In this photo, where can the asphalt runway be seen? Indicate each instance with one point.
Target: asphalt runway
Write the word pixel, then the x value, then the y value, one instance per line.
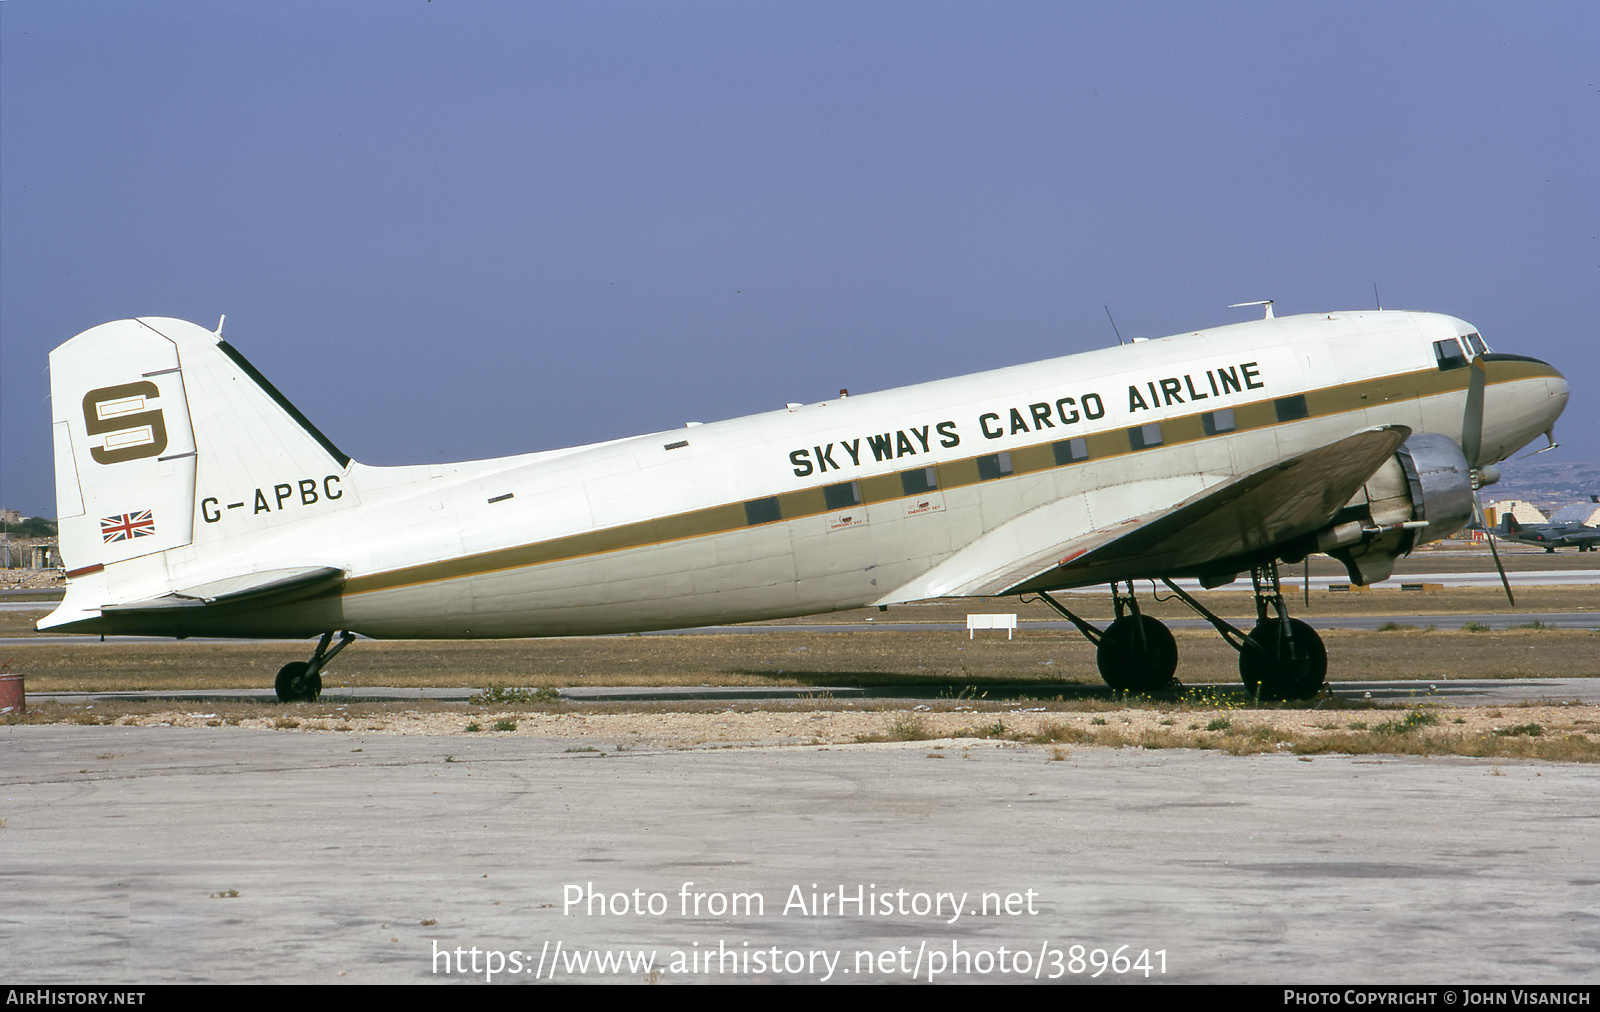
pixel 141 855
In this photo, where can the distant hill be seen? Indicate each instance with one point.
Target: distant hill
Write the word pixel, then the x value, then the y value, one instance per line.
pixel 1547 486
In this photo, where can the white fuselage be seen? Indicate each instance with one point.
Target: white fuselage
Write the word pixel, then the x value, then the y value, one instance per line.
pixel 734 520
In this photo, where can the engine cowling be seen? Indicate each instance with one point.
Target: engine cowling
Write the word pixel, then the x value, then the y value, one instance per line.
pixel 1422 493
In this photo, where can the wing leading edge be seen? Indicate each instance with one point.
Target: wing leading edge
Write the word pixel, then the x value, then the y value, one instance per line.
pixel 1236 518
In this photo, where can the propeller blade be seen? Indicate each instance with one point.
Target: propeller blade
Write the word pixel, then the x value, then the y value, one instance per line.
pixel 1472 418
pixel 1471 446
pixel 1477 514
pixel 1502 570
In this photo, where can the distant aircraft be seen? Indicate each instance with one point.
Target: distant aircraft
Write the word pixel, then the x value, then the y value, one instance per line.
pixel 1548 536
pixel 195 500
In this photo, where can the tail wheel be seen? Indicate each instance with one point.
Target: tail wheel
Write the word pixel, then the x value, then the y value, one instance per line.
pixel 1137 654
pixel 1278 665
pixel 297 683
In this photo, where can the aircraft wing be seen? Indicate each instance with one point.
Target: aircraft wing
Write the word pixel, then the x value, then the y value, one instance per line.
pixel 1289 498
pixel 274 586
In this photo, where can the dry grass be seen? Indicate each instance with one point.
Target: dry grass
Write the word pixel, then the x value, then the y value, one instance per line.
pixel 1399 736
pixel 1551 732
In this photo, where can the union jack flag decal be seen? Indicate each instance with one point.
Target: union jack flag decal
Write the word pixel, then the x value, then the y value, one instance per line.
pixel 127 525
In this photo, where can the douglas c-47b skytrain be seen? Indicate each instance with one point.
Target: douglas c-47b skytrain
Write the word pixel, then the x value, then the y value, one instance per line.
pixel 195 500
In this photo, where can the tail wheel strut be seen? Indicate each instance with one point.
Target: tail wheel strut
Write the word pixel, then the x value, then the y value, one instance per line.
pixel 301 681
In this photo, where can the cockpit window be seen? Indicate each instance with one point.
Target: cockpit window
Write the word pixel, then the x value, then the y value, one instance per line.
pixel 1476 344
pixel 1448 352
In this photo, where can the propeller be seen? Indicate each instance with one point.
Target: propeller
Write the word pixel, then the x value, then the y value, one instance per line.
pixel 1471 446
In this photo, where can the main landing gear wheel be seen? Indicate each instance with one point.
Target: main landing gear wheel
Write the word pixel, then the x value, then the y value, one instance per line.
pixel 1276 666
pixel 297 683
pixel 1137 654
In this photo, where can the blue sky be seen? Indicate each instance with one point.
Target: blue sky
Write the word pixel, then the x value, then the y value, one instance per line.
pixel 452 230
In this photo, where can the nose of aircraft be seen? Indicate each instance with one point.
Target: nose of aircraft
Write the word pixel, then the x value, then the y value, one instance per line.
pixel 1556 385
pixel 1525 398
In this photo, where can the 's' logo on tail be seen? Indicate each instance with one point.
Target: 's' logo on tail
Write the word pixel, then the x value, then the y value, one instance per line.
pixel 119 414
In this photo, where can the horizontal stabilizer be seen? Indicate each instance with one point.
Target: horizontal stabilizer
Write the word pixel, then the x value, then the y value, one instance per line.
pixel 274 586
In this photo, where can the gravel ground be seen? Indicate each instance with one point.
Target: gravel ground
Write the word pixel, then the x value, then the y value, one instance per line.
pixel 743 727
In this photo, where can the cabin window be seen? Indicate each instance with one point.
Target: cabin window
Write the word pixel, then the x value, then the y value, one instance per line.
pixel 762 511
pixel 1476 344
pixel 842 496
pixel 1291 408
pixel 1217 421
pixel 923 479
pixel 1070 451
pixel 1448 352
pixel 1142 437
pixel 994 465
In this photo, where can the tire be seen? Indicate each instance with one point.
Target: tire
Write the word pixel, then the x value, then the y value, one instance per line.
pixel 1137 654
pixel 295 685
pixel 1269 673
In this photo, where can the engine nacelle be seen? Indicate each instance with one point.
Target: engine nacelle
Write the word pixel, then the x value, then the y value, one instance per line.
pixel 1420 494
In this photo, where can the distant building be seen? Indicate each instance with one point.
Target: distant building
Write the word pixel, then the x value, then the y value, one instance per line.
pixel 1586 513
pixel 29 553
pixel 1525 512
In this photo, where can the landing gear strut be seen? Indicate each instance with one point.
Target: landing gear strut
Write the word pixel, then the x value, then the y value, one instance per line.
pixel 1135 653
pixel 301 681
pixel 1288 660
pixel 1282 657
pixel 1285 660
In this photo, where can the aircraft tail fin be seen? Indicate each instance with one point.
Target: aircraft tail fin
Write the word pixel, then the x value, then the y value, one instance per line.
pixel 1508 524
pixel 166 437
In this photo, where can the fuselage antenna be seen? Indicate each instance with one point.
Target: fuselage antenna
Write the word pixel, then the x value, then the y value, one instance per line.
pixel 1114 329
pixel 1258 302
